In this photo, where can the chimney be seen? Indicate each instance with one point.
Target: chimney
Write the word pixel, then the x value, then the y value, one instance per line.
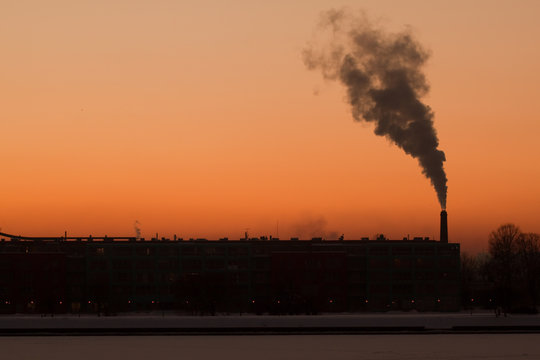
pixel 444 227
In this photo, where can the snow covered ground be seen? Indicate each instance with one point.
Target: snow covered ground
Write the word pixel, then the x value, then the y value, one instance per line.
pixel 390 346
pixel 279 347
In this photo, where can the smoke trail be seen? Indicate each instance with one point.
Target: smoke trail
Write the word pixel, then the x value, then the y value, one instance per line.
pixel 313 226
pixel 382 73
pixel 137 230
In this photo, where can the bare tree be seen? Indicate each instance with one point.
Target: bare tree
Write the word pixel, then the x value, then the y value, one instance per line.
pixel 503 241
pixel 515 267
pixel 528 254
pixel 503 244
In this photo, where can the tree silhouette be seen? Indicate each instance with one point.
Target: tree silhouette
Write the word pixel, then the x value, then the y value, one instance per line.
pixel 528 255
pixel 515 267
pixel 503 250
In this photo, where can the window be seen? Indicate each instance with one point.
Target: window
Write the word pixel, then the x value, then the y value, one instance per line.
pixel 401 263
pixel 402 250
pixel 215 264
pixel 191 264
pixel 379 263
pixel 189 250
pixel 378 250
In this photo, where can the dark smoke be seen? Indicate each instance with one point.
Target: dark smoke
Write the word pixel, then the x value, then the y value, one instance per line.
pixel 383 76
pixel 313 226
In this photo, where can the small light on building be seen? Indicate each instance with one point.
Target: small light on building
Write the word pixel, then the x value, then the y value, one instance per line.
pixel 472 299
pixel 412 301
pixel 366 301
pixel 331 301
pixel 439 300
pixel 253 301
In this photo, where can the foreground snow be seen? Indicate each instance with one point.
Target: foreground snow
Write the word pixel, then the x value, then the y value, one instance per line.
pixel 314 347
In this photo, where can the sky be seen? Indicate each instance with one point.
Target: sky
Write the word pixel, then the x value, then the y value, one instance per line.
pixel 200 119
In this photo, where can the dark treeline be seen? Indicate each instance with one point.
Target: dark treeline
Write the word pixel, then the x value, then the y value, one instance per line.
pixel 507 278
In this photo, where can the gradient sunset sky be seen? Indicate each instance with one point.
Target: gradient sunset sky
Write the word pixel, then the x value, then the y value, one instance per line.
pixel 199 118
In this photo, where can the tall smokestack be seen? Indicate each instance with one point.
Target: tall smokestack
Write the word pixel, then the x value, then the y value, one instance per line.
pixel 444 227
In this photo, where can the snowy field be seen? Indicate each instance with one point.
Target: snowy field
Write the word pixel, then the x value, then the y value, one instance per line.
pixel 312 347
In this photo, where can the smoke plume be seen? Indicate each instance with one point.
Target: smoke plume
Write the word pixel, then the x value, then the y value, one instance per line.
pixel 313 226
pixel 137 230
pixel 382 73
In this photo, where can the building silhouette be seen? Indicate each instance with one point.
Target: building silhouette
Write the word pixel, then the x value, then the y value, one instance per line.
pixel 258 275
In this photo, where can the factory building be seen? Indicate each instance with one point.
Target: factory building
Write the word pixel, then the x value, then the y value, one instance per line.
pixel 257 275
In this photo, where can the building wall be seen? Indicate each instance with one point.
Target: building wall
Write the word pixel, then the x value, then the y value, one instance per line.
pixel 259 276
pixel 32 282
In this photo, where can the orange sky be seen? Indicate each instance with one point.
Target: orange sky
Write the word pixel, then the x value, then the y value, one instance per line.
pixel 199 118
